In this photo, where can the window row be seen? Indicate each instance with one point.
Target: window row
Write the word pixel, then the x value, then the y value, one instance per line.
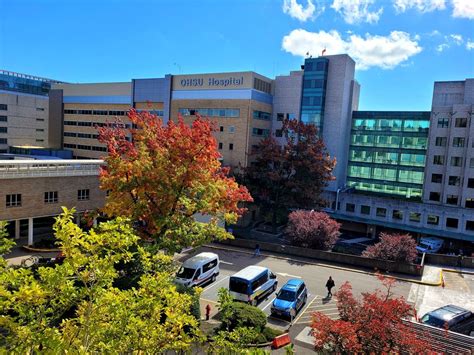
pixel 15 200
pixel 98 124
pixel 450 199
pixel 3 130
pixel 314 66
pixel 262 85
pixel 85 147
pixel 386 174
pixel 382 212
pixel 283 116
pixel 460 122
pixel 455 161
pixel 388 141
pixel 221 146
pixel 313 84
pixel 370 156
pixel 260 132
pixel 3 118
pixel 3 141
pixel 452 180
pixel 458 142
pixel 210 112
pixel 231 129
pixel 81 135
pixel 96 112
pixel 262 115
pixel 311 101
pixel 390 125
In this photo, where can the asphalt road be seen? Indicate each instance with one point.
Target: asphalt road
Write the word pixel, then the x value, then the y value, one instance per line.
pixel 315 277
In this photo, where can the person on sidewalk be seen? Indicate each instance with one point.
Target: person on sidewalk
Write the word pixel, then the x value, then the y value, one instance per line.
pixel 257 250
pixel 329 285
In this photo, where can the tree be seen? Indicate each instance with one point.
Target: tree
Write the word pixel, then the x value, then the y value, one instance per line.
pixel 74 307
pixel 373 324
pixel 291 175
pixel 393 247
pixel 312 229
pixel 164 175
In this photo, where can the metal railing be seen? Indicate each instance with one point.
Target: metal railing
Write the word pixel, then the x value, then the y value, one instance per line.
pixel 13 169
pixel 27 76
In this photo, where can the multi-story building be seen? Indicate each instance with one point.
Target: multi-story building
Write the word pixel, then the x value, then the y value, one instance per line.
pixel 24 112
pixel 396 170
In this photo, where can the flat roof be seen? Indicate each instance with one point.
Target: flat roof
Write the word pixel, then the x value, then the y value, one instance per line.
pixel 250 272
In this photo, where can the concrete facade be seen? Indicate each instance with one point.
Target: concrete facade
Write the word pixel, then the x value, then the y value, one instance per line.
pixel 24 120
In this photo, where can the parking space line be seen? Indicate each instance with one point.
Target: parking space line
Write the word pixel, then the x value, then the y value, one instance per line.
pixel 269 303
pixel 225 262
pixel 304 310
pixel 214 284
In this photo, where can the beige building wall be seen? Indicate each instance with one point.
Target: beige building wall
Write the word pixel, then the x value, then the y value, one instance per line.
pixel 32 195
pixel 25 119
pixel 233 134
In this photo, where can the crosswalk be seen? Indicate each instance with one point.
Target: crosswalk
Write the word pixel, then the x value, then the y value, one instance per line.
pixel 321 304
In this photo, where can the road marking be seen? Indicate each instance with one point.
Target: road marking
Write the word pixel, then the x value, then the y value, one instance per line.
pixel 324 309
pixel 288 275
pixel 225 262
pixel 304 310
pixel 215 283
pixel 269 303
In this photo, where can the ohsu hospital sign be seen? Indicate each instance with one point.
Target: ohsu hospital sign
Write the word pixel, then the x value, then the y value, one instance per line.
pixel 212 81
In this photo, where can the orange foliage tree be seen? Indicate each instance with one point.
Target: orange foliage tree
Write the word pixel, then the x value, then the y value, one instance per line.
pixel 162 175
pixel 371 325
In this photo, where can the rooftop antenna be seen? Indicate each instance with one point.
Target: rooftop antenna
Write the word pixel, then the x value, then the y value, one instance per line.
pixel 324 51
pixel 309 55
pixel 179 67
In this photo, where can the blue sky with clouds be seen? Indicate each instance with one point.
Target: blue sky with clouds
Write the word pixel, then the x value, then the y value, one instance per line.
pixel 401 46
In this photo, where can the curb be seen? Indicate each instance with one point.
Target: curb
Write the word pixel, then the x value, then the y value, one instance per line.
pixel 331 266
pixel 39 250
pixel 458 271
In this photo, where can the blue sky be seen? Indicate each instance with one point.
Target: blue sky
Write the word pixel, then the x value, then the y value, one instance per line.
pixel 401 46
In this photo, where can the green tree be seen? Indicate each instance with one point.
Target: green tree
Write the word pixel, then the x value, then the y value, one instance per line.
pixel 74 307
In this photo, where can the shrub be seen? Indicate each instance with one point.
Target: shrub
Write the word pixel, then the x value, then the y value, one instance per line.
pixel 244 315
pixel 393 247
pixel 312 229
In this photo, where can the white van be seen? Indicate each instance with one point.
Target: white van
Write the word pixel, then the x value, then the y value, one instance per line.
pixel 429 245
pixel 198 270
pixel 252 284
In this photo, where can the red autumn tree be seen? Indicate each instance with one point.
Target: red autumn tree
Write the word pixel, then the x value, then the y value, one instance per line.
pixel 312 229
pixel 372 325
pixel 289 175
pixel 394 247
pixel 162 175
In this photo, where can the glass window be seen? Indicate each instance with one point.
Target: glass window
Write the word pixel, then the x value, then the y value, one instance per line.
pixel 231 146
pixel 454 181
pixel 458 142
pixel 278 133
pixel 435 196
pixel 3 118
pixel 440 141
pixel 452 199
pixel 83 194
pixel 13 200
pixel 415 217
pixel 221 129
pixel 3 107
pixel 461 122
pixel 220 145
pixel 350 207
pixel 260 132
pixel 437 178
pixel 260 115
pixel 397 214
pixel 470 183
pixel 365 209
pixel 469 203
pixel 438 160
pixel 432 219
pixel 451 222
pixel 412 159
pixel 470 225
pixel 471 163
pixel 381 212
pixel 281 116
pixel 3 130
pixel 231 129
pixel 443 123
pixel 456 161
pixel 51 197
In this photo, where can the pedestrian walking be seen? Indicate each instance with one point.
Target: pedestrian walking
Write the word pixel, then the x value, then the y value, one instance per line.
pixel 208 311
pixel 329 285
pixel 257 250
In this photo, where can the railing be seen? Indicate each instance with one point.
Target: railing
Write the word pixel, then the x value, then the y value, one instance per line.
pixel 12 169
pixel 27 76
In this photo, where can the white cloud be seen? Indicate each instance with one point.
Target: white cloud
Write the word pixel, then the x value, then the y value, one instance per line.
pixel 442 47
pixel 356 11
pixel 469 45
pixel 420 5
pixel 457 39
pixel 463 8
pixel 385 52
pixel 295 10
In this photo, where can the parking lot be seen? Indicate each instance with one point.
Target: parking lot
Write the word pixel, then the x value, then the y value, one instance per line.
pixel 314 276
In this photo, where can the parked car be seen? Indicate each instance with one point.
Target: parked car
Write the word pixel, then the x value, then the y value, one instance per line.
pixel 199 269
pixel 430 245
pixel 451 317
pixel 290 299
pixel 252 284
